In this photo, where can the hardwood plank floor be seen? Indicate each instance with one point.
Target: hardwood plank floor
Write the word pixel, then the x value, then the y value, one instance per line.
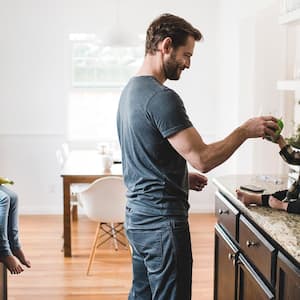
pixel 57 278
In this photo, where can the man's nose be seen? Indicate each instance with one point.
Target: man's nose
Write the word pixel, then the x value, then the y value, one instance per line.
pixel 187 63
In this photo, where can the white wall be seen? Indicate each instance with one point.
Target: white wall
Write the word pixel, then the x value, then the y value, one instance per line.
pixel 252 62
pixel 32 96
pixel 35 76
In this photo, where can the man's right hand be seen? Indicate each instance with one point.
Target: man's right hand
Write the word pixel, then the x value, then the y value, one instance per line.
pixel 260 127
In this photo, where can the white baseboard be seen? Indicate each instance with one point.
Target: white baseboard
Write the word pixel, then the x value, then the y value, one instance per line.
pixel 41 210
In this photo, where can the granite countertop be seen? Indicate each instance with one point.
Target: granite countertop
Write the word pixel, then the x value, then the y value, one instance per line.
pixel 282 227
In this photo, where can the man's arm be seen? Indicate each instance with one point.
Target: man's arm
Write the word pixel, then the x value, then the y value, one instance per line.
pixel 204 157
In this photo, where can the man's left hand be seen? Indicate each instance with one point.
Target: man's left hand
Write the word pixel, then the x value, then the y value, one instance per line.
pixel 197 181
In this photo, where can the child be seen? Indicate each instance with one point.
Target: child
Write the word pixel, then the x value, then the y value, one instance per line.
pixel 11 254
pixel 287 200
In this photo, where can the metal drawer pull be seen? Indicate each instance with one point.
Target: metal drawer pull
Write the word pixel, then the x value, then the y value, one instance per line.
pixel 232 257
pixel 250 244
pixel 221 212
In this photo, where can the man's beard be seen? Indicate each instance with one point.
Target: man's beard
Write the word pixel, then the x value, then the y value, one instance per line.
pixel 171 68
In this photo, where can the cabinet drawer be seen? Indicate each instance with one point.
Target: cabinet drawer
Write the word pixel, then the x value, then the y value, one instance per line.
pixel 258 249
pixel 227 215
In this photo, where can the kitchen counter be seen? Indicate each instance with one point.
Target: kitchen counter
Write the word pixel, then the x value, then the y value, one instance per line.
pixel 282 227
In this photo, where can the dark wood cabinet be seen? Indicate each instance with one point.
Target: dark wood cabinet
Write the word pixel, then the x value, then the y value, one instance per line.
pixel 227 215
pixel 258 250
pixel 249 284
pixel 3 282
pixel 288 279
pixel 225 266
pixel 249 264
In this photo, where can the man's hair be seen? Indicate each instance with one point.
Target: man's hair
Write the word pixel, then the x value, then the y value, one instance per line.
pixel 168 25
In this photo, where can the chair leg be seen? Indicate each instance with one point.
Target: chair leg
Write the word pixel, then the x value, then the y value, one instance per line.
pixel 93 250
pixel 114 236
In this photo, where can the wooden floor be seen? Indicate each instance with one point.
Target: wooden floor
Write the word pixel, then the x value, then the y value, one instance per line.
pixel 57 278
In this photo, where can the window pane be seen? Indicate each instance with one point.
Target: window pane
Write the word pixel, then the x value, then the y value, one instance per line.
pixel 92 115
pixel 98 75
pixel 94 65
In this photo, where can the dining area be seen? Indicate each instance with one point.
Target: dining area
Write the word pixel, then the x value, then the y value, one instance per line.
pixel 85 243
pixel 78 254
pixel 82 167
pixel 77 265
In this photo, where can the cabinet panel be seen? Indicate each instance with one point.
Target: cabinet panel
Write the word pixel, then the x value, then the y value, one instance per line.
pixel 257 249
pixel 250 286
pixel 225 266
pixel 288 279
pixel 227 215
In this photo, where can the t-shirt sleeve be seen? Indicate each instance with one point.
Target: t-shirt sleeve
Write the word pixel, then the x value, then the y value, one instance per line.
pixel 167 112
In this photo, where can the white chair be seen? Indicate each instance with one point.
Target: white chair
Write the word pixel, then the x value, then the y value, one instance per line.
pixel 104 202
pixel 65 150
pixel 60 158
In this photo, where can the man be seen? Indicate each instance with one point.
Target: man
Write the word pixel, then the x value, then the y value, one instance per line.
pixel 157 138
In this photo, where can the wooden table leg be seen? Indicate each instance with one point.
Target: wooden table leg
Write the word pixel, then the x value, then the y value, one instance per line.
pixel 74 212
pixel 67 220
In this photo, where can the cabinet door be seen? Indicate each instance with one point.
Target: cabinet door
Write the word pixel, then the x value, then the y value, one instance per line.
pixel 227 215
pixel 3 282
pixel 288 279
pixel 250 285
pixel 258 250
pixel 225 267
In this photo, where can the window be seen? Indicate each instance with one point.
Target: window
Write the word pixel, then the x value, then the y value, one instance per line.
pixel 92 114
pixel 99 73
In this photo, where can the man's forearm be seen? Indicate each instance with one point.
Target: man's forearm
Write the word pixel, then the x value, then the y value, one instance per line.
pixel 216 153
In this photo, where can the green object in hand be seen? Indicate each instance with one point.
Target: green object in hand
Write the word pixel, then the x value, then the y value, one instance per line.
pixel 4 180
pixel 277 132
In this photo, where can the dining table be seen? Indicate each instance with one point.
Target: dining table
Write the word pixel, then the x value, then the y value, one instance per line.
pixel 81 166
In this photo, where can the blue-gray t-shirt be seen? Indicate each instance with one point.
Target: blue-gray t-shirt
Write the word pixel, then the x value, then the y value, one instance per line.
pixel 155 174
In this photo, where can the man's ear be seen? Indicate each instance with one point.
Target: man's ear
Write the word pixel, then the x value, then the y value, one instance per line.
pixel 166 45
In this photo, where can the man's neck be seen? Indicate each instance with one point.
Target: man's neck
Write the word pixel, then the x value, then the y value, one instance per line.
pixel 152 66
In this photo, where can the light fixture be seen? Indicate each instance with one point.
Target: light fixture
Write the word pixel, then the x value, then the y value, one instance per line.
pixel 116 36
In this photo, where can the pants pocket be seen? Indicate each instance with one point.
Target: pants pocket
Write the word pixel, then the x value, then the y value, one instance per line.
pixel 148 246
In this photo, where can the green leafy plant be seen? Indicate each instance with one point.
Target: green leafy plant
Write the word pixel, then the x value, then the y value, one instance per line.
pixel 4 180
pixel 294 140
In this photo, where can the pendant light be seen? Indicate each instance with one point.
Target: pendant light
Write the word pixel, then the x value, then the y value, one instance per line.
pixel 116 36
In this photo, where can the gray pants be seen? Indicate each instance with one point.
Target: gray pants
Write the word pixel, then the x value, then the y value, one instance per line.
pixel 161 257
